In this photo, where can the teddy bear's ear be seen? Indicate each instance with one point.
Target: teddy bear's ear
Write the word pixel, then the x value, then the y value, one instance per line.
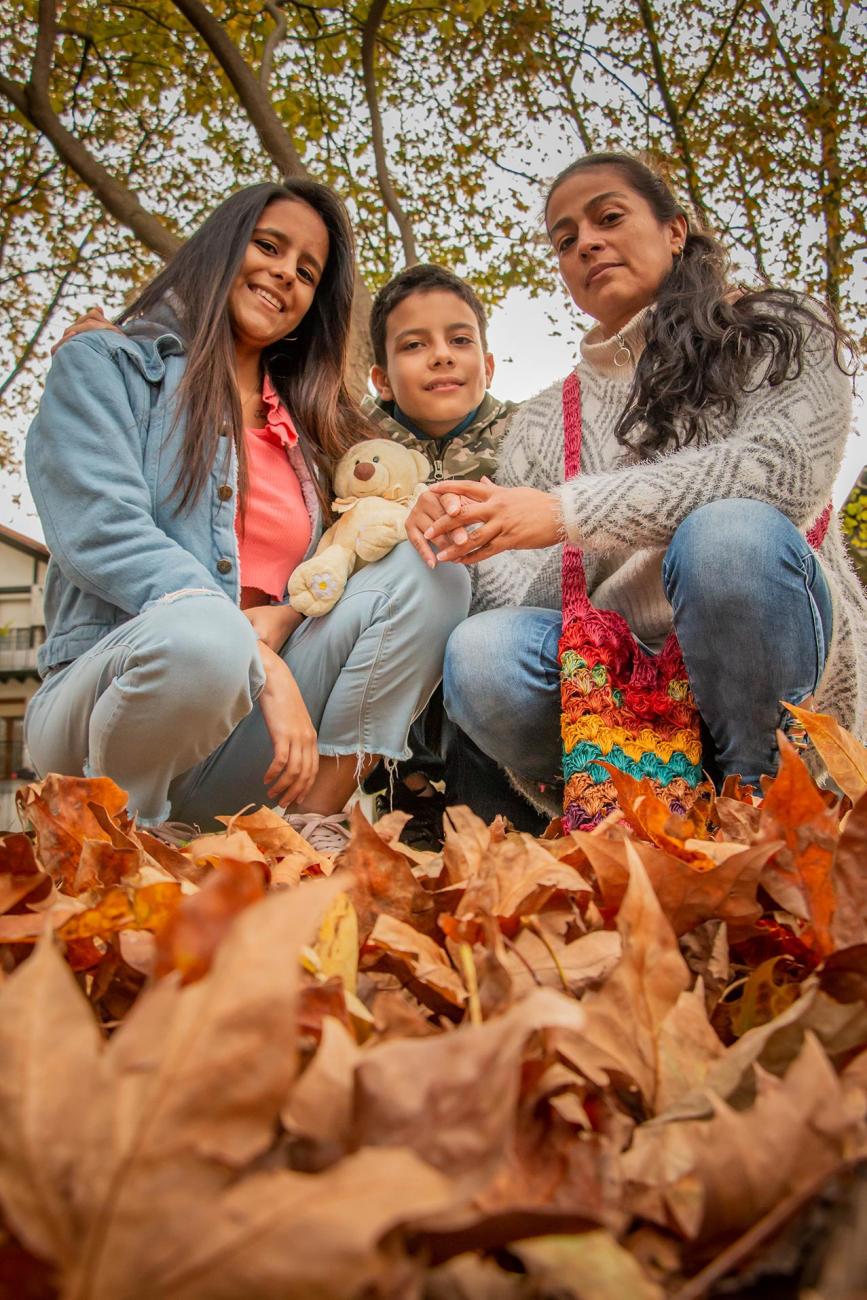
pixel 422 464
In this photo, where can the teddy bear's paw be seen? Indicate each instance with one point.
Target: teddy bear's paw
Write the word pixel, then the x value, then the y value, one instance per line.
pixel 377 542
pixel 317 593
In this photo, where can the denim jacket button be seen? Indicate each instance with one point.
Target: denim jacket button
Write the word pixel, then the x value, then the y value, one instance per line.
pixel 224 566
pixel 224 492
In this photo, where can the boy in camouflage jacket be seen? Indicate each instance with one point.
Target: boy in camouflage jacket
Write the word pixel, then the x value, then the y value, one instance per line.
pixel 431 371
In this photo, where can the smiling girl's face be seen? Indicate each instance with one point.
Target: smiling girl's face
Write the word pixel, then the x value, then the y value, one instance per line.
pixel 277 281
pixel 612 251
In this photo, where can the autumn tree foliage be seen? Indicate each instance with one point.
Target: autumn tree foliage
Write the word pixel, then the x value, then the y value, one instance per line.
pixel 630 1062
pixel 123 124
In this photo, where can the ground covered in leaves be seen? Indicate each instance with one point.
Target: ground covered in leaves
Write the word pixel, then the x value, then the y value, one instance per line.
pixel 620 1065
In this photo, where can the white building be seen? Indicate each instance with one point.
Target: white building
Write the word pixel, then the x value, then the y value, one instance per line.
pixel 22 630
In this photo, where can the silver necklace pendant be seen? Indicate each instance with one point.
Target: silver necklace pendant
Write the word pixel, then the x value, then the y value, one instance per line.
pixel 622 357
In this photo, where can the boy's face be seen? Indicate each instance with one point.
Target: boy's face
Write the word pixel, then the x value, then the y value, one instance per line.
pixel 436 370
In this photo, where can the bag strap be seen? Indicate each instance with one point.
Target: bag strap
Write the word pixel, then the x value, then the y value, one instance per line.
pixel 574 579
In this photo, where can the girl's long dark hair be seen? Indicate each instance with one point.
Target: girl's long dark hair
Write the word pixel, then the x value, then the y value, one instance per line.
pixel 306 371
pixel 705 335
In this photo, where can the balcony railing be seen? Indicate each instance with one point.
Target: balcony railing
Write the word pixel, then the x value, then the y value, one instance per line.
pixel 18 649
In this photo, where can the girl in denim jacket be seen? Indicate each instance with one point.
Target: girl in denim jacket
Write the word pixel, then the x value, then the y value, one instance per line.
pixel 180 468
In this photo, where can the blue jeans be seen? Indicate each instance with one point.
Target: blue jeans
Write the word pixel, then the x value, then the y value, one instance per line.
pixel 752 612
pixel 165 704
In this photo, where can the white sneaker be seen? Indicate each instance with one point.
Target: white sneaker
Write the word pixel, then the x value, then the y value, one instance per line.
pixel 327 833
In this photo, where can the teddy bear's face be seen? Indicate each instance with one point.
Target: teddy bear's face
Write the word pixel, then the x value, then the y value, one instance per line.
pixel 372 467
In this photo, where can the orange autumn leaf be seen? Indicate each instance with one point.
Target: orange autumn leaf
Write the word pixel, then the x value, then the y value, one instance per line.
pixel 191 935
pixel 59 811
pixel 383 882
pixel 687 897
pixel 272 834
pixel 147 908
pixel 844 756
pixel 849 923
pixel 654 821
pixel 800 875
pixel 426 960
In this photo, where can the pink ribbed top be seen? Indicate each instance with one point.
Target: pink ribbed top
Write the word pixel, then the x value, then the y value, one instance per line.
pixel 276 523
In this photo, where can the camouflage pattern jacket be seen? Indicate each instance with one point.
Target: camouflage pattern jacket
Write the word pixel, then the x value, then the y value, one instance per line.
pixel 472 453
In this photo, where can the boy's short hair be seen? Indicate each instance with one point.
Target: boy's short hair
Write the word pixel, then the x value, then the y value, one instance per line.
pixel 420 279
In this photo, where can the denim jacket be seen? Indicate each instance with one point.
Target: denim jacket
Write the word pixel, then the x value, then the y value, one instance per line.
pixel 102 459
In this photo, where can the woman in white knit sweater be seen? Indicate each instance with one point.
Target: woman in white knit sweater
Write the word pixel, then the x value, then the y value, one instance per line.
pixel 714 422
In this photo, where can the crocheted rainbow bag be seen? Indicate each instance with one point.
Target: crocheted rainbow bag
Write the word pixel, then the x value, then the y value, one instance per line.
pixel 619 704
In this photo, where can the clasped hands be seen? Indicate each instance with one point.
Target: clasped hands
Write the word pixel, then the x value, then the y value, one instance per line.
pixel 465 522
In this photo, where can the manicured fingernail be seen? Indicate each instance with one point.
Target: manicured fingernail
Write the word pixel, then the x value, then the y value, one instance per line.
pixel 428 533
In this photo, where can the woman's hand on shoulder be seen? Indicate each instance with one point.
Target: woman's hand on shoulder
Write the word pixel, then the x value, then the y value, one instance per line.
pixel 296 752
pixel 496 519
pixel 274 624
pixel 93 319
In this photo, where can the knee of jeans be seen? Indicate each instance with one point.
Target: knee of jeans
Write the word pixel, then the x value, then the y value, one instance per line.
pixel 438 600
pixel 717 543
pixel 465 672
pixel 208 649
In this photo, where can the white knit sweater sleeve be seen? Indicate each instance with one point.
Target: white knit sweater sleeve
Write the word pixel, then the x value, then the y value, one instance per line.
pixel 783 446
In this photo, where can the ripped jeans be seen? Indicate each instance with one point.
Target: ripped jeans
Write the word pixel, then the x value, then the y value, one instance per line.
pixel 752 611
pixel 165 703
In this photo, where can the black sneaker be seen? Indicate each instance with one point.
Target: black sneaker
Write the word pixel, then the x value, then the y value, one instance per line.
pixel 424 830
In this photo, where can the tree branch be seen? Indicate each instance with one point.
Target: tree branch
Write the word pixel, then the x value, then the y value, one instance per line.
pixel 45 318
pixel 46 35
pixel 389 195
pixel 712 62
pixel 755 233
pixel 566 86
pixel 252 96
pixel 675 120
pixel 275 38
pixel 34 104
pixel 790 65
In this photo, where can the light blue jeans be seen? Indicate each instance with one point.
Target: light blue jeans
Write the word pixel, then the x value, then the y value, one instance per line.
pixel 752 612
pixel 165 704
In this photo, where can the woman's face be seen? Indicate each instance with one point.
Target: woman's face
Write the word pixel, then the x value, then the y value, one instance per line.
pixel 282 267
pixel 612 251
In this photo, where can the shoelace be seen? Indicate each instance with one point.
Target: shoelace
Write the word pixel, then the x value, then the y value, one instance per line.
pixel 175 833
pixel 326 834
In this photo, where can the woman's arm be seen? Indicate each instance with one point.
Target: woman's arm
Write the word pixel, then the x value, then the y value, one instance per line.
pixel 84 465
pixel 785 448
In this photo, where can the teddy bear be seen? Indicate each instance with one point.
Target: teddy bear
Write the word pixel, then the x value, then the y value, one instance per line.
pixel 377 483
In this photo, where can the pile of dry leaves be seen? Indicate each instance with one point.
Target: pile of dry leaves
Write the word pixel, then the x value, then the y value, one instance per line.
pixel 621 1065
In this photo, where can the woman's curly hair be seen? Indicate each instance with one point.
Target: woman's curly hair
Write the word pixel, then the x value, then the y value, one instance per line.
pixel 706 337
